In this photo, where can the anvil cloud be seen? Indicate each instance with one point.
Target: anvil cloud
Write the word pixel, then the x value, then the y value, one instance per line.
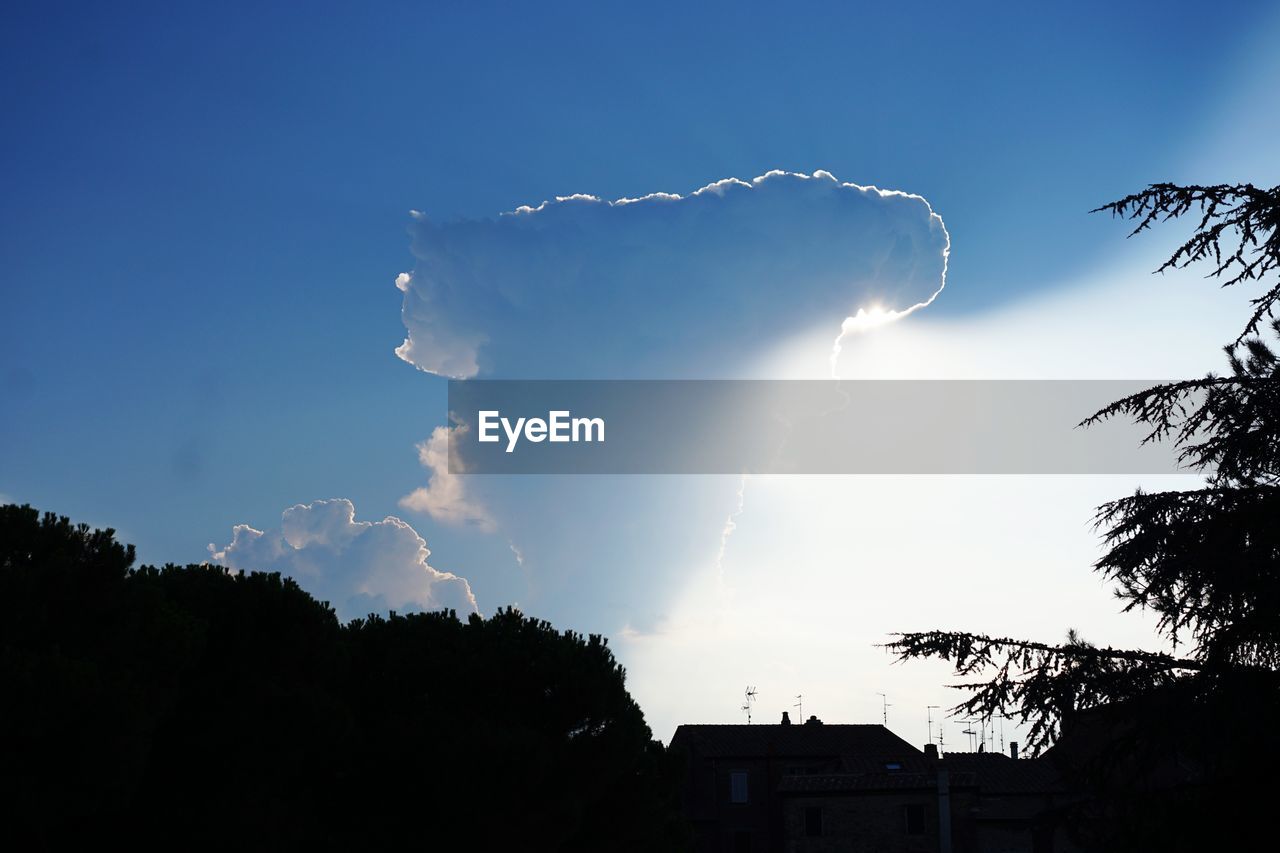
pixel 663 285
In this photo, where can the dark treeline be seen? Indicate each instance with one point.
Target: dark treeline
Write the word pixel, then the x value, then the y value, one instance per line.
pixel 187 706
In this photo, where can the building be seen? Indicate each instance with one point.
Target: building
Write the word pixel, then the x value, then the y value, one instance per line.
pixel 818 788
pixel 894 811
pixel 1017 804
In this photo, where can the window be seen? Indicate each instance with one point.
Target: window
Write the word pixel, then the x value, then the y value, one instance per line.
pixel 893 765
pixel 738 786
pixel 913 815
pixel 813 821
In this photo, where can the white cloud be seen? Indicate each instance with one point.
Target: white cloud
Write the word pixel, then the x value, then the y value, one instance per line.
pixel 444 498
pixel 661 286
pixel 358 566
pixel 664 286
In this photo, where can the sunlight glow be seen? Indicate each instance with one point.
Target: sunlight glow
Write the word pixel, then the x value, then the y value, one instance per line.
pixel 865 320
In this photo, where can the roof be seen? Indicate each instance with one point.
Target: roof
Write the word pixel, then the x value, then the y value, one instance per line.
pixel 857 744
pixel 999 774
pixel 890 781
pixel 991 773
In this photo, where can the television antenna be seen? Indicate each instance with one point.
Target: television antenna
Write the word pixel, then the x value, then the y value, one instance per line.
pixel 884 709
pixel 799 706
pixel 749 696
pixel 928 710
pixel 970 732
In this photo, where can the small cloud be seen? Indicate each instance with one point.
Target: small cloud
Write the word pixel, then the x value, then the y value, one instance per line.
pixel 359 567
pixel 445 498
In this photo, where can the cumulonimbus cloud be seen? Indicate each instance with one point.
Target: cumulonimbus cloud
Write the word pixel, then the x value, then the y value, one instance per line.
pixel 664 286
pixel 707 285
pixel 359 567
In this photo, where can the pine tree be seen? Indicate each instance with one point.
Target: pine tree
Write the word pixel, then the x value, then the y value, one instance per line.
pixel 1206 561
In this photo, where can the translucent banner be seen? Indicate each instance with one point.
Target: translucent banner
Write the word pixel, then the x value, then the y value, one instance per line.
pixel 796 427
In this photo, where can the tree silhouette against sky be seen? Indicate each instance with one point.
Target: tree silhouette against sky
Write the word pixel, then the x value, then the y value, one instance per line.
pixel 1205 561
pixel 189 706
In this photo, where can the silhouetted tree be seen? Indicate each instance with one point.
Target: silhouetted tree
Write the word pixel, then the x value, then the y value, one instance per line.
pixel 1172 737
pixel 190 706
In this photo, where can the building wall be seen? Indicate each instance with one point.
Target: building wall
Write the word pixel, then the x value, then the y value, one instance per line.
pixel 1005 838
pixel 722 826
pixel 869 822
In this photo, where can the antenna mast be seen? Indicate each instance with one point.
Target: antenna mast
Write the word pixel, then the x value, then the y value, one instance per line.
pixel 928 710
pixel 884 709
pixel 800 705
pixel 749 696
pixel 970 732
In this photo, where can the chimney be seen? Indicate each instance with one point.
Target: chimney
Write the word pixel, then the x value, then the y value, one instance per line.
pixel 786 718
pixel 1013 749
pixel 931 751
pixel 813 721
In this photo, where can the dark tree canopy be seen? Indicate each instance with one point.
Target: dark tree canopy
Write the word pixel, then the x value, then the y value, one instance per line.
pixel 1206 562
pixel 189 706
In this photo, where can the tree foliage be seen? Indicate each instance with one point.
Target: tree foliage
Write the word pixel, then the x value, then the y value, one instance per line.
pixel 189 706
pixel 1238 233
pixel 1207 562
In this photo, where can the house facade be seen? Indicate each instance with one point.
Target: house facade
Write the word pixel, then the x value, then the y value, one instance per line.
pixel 820 788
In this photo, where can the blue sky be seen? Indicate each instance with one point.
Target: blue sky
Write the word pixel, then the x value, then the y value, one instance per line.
pixel 203 208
